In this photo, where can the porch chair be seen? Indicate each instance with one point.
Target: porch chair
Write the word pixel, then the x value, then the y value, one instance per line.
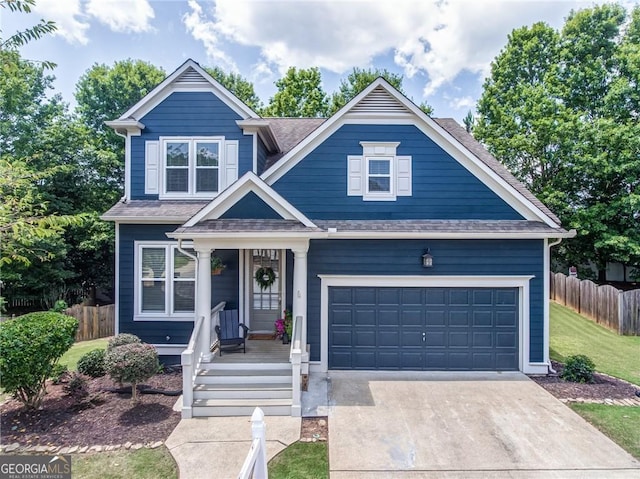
pixel 229 330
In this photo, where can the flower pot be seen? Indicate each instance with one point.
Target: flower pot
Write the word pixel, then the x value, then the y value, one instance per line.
pixel 285 338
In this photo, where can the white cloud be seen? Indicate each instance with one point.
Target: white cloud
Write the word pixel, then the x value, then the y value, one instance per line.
pixel 68 18
pixel 438 38
pixel 465 102
pixel 122 16
pixel 208 32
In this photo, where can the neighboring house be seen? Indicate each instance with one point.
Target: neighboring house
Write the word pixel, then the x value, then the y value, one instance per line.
pixel 342 210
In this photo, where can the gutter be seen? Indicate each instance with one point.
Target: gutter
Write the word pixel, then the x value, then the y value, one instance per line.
pixel 555 243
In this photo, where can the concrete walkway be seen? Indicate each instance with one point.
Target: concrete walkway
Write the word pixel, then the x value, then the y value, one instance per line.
pixel 205 448
pixel 461 426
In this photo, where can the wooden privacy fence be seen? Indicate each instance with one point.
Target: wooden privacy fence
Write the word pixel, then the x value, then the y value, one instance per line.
pixel 94 321
pixel 606 305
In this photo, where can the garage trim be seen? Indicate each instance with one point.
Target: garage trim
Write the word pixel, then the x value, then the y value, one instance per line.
pixel 520 282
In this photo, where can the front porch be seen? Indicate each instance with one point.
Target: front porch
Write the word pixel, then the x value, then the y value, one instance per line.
pixel 258 351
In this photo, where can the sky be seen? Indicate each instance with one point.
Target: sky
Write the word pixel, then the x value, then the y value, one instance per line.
pixel 443 48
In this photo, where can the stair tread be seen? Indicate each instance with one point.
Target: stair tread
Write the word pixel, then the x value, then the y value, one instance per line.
pixel 243 387
pixel 243 402
pixel 244 372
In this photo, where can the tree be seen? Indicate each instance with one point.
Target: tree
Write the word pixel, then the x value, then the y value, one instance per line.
pixel 468 121
pixel 299 94
pixel 560 110
pixel 238 85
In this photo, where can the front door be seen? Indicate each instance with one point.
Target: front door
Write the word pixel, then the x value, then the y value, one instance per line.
pixel 266 294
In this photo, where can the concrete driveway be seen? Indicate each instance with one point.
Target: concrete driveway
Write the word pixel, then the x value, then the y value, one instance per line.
pixel 461 426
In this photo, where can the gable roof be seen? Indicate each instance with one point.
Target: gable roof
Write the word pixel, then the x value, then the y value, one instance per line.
pixel 249 182
pixel 188 76
pixel 380 102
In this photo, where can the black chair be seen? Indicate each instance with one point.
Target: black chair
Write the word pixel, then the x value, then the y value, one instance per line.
pixel 229 330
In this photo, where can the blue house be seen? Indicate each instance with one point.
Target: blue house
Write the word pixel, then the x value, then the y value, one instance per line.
pixel 395 239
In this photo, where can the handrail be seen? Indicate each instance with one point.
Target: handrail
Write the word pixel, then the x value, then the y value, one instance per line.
pixel 215 318
pixel 190 360
pixel 296 336
pixel 295 356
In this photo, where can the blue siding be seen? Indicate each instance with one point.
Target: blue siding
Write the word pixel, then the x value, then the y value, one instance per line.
pixel 442 188
pixel 450 257
pixel 251 206
pixel 187 114
pixel 261 157
pixel 223 287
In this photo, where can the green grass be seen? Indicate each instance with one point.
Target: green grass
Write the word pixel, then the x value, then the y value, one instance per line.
pixel 572 334
pixel 620 423
pixel 71 357
pixel 301 459
pixel 140 464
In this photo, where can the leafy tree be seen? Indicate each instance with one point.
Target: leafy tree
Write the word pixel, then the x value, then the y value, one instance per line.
pixel 299 94
pixel 560 110
pixel 468 121
pixel 238 85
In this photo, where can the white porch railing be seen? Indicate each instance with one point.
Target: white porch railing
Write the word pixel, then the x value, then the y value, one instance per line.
pixel 255 464
pixel 191 358
pixel 295 356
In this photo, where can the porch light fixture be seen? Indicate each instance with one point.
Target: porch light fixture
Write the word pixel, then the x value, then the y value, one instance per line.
pixel 427 259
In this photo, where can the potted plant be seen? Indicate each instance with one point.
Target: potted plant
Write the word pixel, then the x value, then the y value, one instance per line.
pixel 284 327
pixel 216 265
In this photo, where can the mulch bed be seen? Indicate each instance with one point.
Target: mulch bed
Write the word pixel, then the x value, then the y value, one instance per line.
pixel 603 387
pixel 109 418
pixel 313 429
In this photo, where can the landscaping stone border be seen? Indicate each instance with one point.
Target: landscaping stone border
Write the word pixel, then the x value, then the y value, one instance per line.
pixel 16 448
pixel 632 402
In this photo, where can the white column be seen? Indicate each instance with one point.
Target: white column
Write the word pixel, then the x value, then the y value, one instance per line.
pixel 203 300
pixel 300 291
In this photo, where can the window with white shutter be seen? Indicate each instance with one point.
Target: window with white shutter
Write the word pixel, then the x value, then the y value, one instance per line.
pixel 379 174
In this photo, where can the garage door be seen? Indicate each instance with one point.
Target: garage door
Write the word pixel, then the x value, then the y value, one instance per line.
pixel 440 329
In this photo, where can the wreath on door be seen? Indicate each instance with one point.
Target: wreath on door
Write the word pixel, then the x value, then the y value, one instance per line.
pixel 265 277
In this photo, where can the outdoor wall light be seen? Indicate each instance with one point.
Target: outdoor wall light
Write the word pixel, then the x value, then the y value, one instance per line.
pixel 427 259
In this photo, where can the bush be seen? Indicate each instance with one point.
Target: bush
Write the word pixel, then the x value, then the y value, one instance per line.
pixel 122 339
pixel 31 345
pixel 77 387
pixel 132 363
pixel 578 369
pixel 60 306
pixel 58 373
pixel 92 363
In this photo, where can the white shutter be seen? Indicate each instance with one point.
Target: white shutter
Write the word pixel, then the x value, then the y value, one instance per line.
pixel 151 167
pixel 230 162
pixel 355 176
pixel 403 175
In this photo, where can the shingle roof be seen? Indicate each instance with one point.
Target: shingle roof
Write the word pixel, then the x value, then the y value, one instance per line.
pixel 289 132
pixel 247 226
pixel 177 210
pixel 469 142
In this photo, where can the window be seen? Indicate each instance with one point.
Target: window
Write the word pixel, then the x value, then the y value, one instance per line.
pixel 192 167
pixel 379 174
pixel 167 281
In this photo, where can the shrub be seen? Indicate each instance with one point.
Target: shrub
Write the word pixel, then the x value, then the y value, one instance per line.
pixel 92 363
pixel 60 306
pixel 132 363
pixel 77 387
pixel 31 345
pixel 578 369
pixel 122 339
pixel 58 373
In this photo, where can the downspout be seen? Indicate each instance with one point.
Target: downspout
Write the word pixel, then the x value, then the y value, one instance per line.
pixel 184 252
pixel 550 245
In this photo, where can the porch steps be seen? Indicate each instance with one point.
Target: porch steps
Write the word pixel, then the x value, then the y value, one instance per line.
pixel 236 389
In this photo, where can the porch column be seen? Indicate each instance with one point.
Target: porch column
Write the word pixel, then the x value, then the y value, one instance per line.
pixel 203 299
pixel 300 290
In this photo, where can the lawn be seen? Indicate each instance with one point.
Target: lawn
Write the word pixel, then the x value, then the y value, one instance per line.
pixel 620 423
pixel 615 355
pixel 301 459
pixel 140 464
pixel 71 357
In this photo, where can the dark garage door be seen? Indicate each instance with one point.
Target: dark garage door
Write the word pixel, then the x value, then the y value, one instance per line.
pixel 436 329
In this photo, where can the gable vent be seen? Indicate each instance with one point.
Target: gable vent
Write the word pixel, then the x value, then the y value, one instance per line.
pixel 191 77
pixel 379 101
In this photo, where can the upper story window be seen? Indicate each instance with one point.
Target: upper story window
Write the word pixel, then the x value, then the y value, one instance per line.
pixel 191 167
pixel 379 174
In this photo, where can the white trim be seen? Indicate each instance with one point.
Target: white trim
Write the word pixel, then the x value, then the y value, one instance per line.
pixel 428 126
pixel 545 294
pixel 246 271
pixel 249 182
pixel 520 282
pixel 116 283
pixel 170 349
pixel 152 220
pixel 241 288
pixel 255 152
pixel 167 315
pixel 380 195
pixel 164 89
pixel 339 234
pixel 246 278
pixel 127 167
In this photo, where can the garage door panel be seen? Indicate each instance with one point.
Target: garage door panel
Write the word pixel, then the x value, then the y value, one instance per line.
pixel 423 328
